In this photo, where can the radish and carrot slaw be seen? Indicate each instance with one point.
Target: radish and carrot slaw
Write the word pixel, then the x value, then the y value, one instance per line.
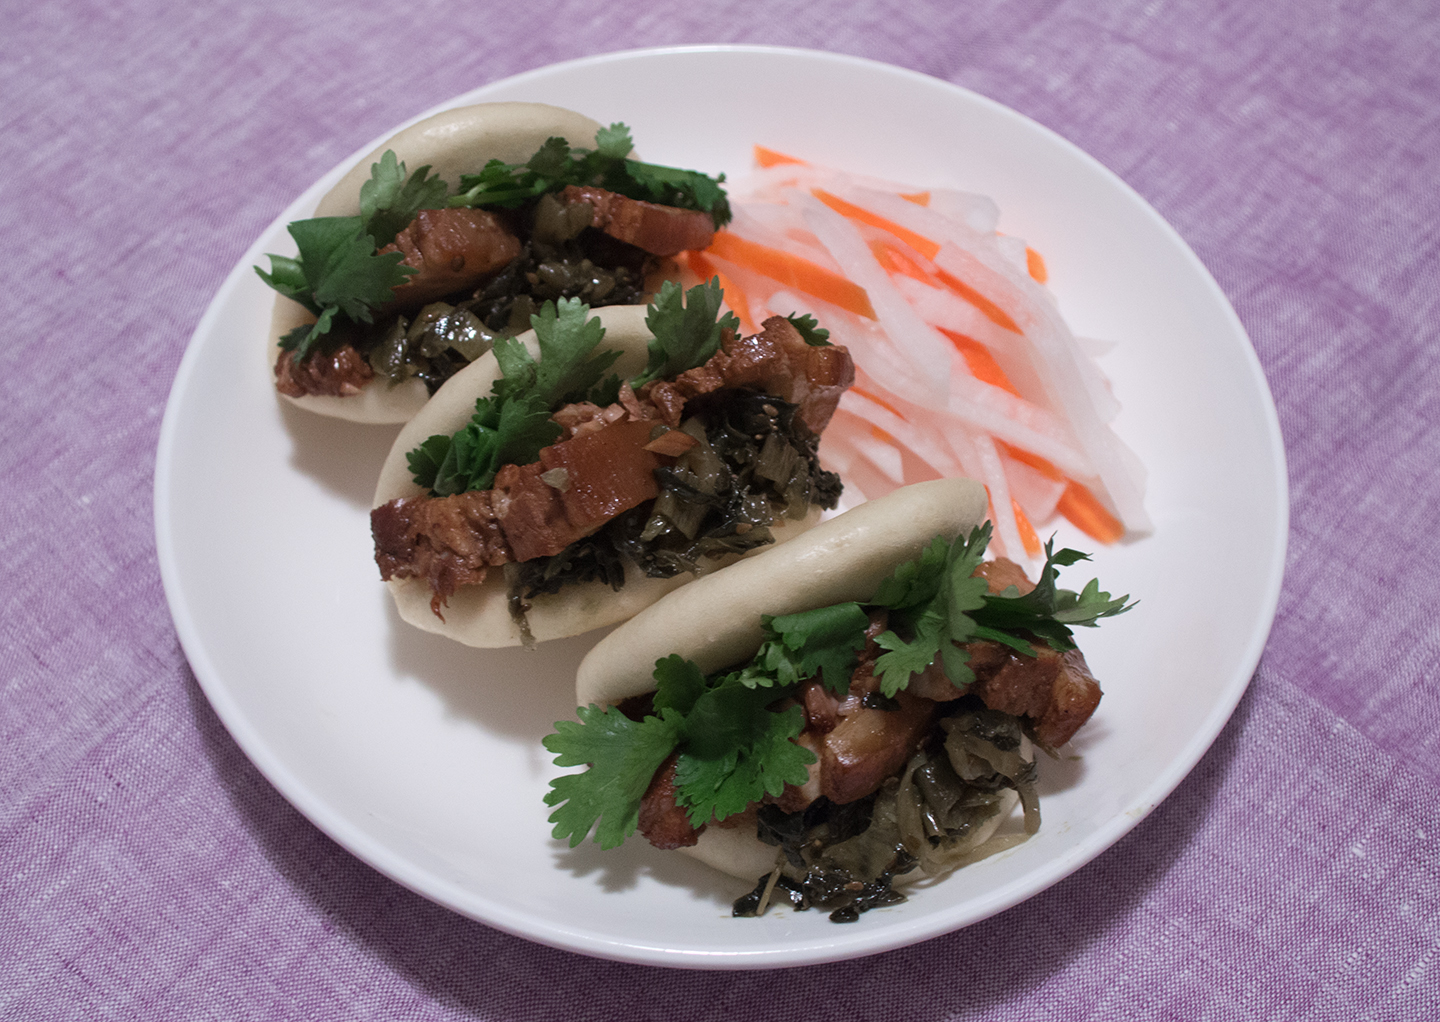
pixel 964 366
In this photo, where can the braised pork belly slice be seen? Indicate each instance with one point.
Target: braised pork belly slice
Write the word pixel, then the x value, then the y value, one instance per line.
pixel 450 250
pixel 662 821
pixel 576 487
pixel 659 230
pixel 777 361
pixel 448 541
pixel 339 373
pixel 535 510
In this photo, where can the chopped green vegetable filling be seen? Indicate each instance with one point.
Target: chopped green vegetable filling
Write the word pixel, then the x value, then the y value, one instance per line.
pixel 733 737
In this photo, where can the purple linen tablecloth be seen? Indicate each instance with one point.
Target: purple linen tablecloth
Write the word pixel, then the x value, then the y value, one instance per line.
pixel 147 870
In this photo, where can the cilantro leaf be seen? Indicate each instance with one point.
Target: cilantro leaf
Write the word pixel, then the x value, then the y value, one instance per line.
pixel 678 683
pixel 907 658
pixel 567 335
pixel 499 433
pixel 726 716
pixel 1047 610
pixel 555 165
pixel 826 640
pixel 810 330
pixel 916 582
pixel 622 756
pixel 723 786
pixel 337 270
pixel 513 424
pixel 614 142
pixel 389 201
pixel 932 596
pixel 425 460
pixel 687 328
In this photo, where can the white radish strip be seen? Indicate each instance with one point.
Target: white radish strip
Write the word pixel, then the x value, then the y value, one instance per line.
pixel 925 221
pixel 920 444
pixel 770 181
pixel 917 340
pixel 990 276
pixel 977 212
pixel 942 307
pixel 1014 250
pixel 1019 423
pixel 1095 347
pixel 1037 493
pixel 860 473
pixel 1061 369
pixel 1097 386
pixel 1061 365
pixel 780 227
pixel 1002 512
pixel 885 457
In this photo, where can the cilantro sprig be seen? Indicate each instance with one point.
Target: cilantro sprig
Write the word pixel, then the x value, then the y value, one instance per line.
pixel 513 423
pixel 338 270
pixel 732 733
pixel 556 165
pixel 687 329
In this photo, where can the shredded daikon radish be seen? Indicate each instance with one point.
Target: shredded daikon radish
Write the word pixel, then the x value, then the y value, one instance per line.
pixel 965 367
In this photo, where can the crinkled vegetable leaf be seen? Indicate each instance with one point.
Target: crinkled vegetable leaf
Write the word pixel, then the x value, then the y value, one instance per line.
pixel 687 328
pixel 810 330
pixel 622 756
pixel 389 201
pixel 715 788
pixel 555 165
pixel 337 270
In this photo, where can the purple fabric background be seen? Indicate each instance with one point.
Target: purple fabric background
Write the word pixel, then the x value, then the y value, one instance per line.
pixel 147 871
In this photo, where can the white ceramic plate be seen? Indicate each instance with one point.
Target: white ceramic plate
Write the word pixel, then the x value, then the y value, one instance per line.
pixel 423 757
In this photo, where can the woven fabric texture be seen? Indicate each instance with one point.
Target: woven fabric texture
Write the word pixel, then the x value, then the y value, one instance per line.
pixel 147 869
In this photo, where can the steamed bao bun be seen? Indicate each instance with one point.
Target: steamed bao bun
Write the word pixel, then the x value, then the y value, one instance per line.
pixel 715 620
pixel 454 142
pixel 479 615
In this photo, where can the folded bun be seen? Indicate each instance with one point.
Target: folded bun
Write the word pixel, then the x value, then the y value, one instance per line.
pixel 479 615
pixel 452 143
pixel 715 620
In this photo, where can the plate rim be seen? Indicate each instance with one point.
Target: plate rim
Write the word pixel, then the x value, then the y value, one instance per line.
pixel 443 891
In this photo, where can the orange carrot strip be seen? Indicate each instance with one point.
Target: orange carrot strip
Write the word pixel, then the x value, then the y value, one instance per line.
pixel 1036 462
pixel 878 400
pixel 1027 531
pixel 896 261
pixel 770 158
pixel 919 198
pixel 734 297
pixel 1035 263
pixel 1087 514
pixel 880 434
pixel 929 249
pixel 982 364
pixel 801 274
pixel 989 309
